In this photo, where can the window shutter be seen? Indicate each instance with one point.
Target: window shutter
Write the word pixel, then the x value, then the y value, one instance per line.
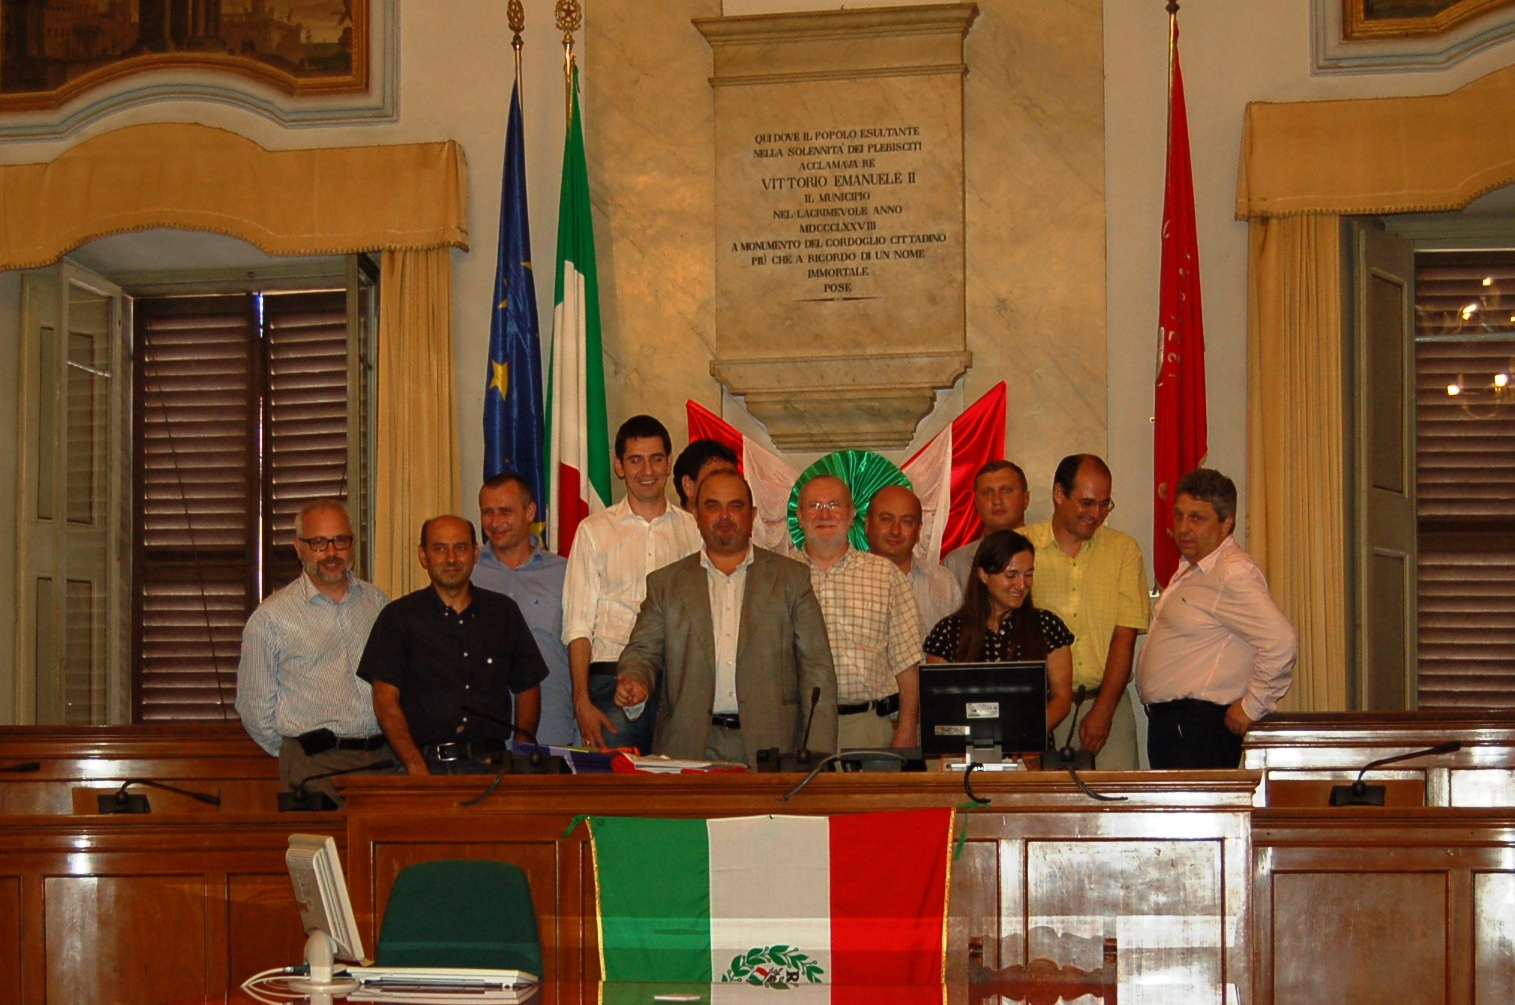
pixel 195 446
pixel 305 417
pixel 1465 480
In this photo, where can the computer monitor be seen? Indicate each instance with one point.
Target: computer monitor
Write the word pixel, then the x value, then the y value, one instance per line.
pixel 315 870
pixel 983 711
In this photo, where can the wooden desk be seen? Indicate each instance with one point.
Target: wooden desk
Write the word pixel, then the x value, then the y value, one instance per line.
pixel 1302 755
pixel 1046 872
pixel 77 763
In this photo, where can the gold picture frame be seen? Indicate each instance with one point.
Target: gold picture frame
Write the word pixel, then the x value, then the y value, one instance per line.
pixel 53 53
pixel 1388 19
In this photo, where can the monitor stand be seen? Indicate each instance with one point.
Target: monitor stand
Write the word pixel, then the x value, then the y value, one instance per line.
pixel 321 986
pixel 989 758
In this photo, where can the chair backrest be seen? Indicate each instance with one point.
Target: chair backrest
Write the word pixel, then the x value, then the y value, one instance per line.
pixel 461 913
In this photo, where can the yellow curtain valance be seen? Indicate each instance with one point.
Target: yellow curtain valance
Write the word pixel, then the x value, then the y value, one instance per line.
pixel 1378 155
pixel 326 201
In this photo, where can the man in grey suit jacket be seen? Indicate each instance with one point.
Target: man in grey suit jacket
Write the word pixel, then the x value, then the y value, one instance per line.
pixel 738 638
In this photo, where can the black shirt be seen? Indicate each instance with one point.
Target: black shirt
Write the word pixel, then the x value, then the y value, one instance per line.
pixel 441 660
pixel 998 646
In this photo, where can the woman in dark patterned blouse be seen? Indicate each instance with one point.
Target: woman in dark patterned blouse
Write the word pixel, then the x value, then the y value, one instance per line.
pixel 998 623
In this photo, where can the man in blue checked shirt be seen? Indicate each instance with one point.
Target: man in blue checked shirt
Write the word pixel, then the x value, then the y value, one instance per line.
pixel 515 564
pixel 297 687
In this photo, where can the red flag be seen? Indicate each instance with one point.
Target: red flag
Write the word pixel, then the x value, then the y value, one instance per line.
pixel 1179 433
pixel 944 469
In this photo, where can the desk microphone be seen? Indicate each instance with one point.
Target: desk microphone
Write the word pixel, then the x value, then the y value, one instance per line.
pixel 1067 752
pixel 299 800
pixel 770 760
pixel 1359 793
pixel 24 766
pixel 538 762
pixel 121 802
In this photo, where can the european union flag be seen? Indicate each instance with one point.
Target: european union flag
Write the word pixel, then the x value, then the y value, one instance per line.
pixel 513 385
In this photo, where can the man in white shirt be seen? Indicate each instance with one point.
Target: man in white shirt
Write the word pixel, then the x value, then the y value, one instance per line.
pixel 608 563
pixel 1220 654
pixel 894 530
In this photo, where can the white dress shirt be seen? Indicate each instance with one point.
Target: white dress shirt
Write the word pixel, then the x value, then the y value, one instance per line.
pixel 606 580
pixel 726 593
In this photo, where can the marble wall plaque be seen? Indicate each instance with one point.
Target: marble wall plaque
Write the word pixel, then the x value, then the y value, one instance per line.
pixel 839 217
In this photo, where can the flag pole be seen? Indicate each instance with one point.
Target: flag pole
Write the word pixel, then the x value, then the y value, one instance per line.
pixel 568 17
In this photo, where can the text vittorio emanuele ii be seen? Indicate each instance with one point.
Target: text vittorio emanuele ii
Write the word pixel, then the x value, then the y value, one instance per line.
pixel 828 194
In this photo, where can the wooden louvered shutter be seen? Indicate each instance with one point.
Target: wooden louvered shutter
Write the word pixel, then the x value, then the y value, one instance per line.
pixel 195 378
pixel 305 417
pixel 1465 475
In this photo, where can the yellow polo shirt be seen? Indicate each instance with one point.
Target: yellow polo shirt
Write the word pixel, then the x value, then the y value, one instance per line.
pixel 1103 588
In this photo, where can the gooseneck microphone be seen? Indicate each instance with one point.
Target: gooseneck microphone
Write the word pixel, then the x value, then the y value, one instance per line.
pixel 300 800
pixel 802 756
pixel 1360 793
pixel 122 802
pixel 1067 752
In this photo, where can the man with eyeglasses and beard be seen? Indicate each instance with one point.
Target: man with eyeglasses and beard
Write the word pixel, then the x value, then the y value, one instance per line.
pixel 298 692
pixel 1092 577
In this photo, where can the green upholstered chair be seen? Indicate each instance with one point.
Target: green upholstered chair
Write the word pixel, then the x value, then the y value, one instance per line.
pixel 461 913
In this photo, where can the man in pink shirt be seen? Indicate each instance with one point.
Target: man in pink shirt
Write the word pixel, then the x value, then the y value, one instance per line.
pixel 1220 654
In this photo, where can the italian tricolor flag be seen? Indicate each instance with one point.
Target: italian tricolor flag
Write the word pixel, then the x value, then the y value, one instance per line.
pixel 846 900
pixel 578 447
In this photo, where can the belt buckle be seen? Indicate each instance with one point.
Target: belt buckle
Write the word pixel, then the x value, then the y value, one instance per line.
pixel 450 751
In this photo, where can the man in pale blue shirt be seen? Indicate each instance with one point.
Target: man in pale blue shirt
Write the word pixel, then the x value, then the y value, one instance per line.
pixel 297 687
pixel 514 564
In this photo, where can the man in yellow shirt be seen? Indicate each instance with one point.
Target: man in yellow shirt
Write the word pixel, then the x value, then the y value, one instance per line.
pixel 1092 577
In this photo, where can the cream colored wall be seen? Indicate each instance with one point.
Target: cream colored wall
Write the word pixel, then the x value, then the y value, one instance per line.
pixel 1234 51
pixel 455 66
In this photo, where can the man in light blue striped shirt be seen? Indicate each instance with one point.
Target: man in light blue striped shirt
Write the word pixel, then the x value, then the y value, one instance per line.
pixel 297 687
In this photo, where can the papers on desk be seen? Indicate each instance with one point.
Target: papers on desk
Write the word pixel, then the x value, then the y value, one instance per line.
pixel 659 765
pixel 441 984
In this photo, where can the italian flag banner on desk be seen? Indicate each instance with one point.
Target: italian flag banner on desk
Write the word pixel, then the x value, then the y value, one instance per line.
pixel 858 899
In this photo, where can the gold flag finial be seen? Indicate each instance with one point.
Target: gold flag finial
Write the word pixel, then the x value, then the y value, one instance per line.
pixel 569 17
pixel 515 13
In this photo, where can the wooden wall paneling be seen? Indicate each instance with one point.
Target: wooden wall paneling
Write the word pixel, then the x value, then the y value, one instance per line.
pixel 137 939
pixel 10 940
pixel 260 931
pixel 1494 937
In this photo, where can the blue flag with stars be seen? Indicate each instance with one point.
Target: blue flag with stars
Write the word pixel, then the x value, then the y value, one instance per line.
pixel 513 385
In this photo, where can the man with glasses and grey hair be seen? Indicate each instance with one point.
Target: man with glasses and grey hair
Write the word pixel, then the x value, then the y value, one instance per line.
pixel 872 621
pixel 1092 577
pixel 298 692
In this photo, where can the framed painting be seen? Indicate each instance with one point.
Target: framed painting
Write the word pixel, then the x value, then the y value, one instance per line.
pixel 1381 19
pixel 51 52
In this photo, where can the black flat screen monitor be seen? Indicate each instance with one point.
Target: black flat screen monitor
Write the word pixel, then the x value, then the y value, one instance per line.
pixel 993 709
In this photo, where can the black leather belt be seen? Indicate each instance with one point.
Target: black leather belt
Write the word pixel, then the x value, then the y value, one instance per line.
pixel 462 750
pixel 319 741
pixel 602 668
pixel 726 721
pixel 1180 705
pixel 879 706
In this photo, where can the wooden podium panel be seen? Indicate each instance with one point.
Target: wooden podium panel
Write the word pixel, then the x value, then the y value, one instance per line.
pixel 1303 755
pixel 1046 871
pixel 1368 905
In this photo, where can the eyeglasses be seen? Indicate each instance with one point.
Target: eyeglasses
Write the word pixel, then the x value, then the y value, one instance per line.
pixel 1097 505
pixel 826 506
pixel 341 542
